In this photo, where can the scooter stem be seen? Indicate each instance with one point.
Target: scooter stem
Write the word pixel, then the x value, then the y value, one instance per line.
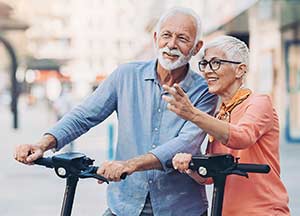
pixel 69 195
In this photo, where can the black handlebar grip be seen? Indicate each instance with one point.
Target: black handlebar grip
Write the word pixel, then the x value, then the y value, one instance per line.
pixel 47 162
pixel 253 168
pixel 124 175
pixel 169 164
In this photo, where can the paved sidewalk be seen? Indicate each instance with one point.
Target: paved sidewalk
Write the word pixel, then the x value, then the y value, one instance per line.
pixel 30 190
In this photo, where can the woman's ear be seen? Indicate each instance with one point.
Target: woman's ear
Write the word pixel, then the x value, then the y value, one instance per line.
pixel 240 71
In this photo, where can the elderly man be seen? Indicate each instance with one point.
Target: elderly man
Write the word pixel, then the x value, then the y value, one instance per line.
pixel 149 134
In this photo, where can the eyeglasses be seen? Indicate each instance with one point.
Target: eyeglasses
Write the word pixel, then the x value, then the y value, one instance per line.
pixel 214 64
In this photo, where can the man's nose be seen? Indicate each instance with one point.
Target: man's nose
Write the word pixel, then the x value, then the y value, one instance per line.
pixel 172 43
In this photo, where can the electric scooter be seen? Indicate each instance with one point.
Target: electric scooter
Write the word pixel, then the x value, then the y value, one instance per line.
pixel 71 166
pixel 219 166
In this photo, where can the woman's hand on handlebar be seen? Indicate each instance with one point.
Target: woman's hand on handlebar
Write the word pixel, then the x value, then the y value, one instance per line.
pixel 181 162
pixel 27 153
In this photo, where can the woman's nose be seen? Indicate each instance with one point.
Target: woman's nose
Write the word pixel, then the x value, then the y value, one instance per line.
pixel 207 69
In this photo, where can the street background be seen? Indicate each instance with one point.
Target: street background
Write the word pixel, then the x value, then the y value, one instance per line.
pixel 54 53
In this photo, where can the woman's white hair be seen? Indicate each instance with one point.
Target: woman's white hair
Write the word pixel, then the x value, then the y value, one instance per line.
pixel 233 48
pixel 181 10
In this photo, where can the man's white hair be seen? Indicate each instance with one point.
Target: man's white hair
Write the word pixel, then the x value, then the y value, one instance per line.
pixel 181 10
pixel 233 48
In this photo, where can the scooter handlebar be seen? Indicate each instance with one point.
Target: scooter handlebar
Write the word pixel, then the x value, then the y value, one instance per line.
pixel 253 168
pixel 91 172
pixel 47 162
pixel 169 164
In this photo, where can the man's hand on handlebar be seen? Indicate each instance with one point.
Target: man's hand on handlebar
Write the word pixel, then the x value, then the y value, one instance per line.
pixel 114 170
pixel 27 153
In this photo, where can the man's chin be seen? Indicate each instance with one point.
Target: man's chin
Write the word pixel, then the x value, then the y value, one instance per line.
pixel 169 66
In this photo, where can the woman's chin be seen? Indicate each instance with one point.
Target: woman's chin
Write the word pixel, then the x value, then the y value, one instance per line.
pixel 212 90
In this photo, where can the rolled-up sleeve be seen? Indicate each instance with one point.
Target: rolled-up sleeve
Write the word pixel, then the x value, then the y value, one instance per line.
pixel 190 136
pixel 254 123
pixel 91 112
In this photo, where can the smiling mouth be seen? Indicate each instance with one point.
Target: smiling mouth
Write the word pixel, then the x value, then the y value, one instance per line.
pixel 212 79
pixel 170 55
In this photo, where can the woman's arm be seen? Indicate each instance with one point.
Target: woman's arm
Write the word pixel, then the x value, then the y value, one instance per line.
pixel 182 106
pixel 257 119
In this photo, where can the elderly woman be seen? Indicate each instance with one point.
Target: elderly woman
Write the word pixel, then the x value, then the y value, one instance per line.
pixel 246 126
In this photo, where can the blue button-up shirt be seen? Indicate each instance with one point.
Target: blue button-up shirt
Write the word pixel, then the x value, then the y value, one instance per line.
pixel 145 125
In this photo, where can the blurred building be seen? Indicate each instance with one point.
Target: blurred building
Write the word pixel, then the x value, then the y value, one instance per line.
pixel 11 31
pixel 90 37
pixel 11 34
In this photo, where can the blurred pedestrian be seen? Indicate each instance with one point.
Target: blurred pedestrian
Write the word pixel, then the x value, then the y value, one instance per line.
pixel 61 106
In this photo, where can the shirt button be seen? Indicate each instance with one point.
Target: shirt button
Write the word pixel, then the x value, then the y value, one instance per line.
pixel 156 129
pixel 150 181
pixel 159 110
pixel 153 146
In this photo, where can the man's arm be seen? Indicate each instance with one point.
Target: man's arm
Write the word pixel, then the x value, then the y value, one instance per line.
pixel 113 170
pixel 92 111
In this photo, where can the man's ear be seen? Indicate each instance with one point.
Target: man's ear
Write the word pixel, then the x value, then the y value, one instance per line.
pixel 155 36
pixel 240 71
pixel 198 47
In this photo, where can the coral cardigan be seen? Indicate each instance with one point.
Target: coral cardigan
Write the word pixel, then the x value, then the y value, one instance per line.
pixel 254 138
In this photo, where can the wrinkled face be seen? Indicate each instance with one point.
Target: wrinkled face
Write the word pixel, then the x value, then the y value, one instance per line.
pixel 221 80
pixel 175 41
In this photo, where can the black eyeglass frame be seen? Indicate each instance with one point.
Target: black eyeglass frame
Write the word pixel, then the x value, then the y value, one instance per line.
pixel 220 60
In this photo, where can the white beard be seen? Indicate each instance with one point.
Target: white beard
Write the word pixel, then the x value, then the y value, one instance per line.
pixel 168 64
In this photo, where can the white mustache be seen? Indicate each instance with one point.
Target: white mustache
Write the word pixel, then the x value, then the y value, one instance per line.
pixel 171 51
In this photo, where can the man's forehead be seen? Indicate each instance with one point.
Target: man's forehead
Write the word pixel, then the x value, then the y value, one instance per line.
pixel 184 21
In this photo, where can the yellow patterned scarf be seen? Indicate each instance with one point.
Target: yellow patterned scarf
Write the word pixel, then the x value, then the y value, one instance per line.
pixel 226 109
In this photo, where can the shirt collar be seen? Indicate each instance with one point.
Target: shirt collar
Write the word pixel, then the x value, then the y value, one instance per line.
pixel 150 72
pixel 185 84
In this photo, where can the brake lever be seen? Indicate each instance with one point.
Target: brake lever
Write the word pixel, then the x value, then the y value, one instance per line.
pixel 230 171
pixel 91 173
